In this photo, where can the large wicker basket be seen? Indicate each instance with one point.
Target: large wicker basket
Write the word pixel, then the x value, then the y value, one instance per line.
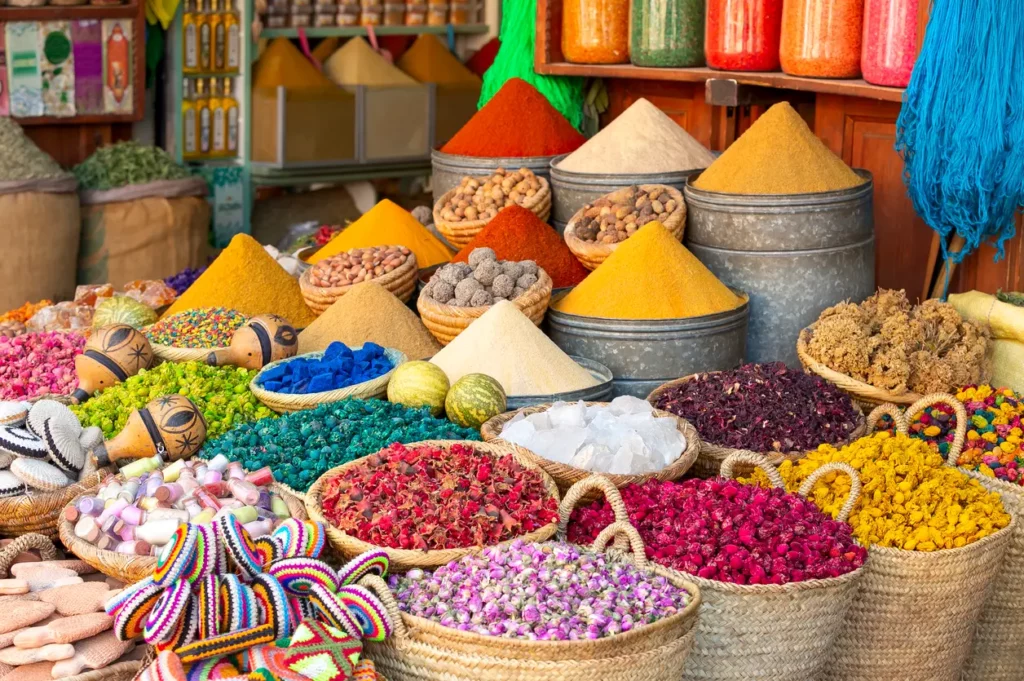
pixel 130 569
pixel 401 282
pixel 865 394
pixel 461 233
pixel 39 512
pixel 422 650
pixel 711 456
pixel 349 547
pixel 566 476
pixel 446 322
pixel 591 253
pixel 283 403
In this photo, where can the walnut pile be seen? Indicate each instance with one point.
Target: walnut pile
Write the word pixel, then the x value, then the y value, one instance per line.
pixel 482 282
pixel 890 344
pixel 617 216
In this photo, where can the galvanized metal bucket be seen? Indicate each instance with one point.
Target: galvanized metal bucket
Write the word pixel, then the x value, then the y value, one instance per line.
pixel 596 393
pixel 644 353
pixel 449 169
pixel 571 191
pixel 793 254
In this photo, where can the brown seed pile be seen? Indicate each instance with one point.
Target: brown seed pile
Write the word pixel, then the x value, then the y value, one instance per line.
pixel 616 217
pixel 482 198
pixel 357 266
pixel 482 281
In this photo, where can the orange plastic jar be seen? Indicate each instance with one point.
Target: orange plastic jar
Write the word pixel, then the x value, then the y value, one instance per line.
pixel 595 31
pixel 822 38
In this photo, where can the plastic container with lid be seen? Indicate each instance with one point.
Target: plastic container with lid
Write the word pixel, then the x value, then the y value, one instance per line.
pixel 821 38
pixel 371 17
pixel 667 33
pixel 437 15
pixel 325 15
pixel 415 15
pixel 463 13
pixel 743 35
pixel 595 31
pixel 348 15
pixel 276 18
pixel 394 15
pixel 890 41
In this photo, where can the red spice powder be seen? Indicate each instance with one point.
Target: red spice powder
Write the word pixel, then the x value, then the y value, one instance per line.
pixel 518 121
pixel 516 233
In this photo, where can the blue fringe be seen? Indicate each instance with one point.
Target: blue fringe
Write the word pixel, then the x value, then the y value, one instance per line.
pixel 961 128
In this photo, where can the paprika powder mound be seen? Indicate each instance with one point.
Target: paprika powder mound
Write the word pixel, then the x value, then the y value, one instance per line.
pixel 517 122
pixel 517 234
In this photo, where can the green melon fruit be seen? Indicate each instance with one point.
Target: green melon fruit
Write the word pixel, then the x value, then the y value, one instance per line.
pixel 419 384
pixel 122 310
pixel 473 400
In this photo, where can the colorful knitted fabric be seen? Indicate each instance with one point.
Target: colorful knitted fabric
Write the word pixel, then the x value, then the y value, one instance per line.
pixel 225 644
pixel 316 652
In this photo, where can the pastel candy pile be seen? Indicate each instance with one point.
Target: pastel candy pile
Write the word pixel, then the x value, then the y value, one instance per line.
pixel 338 367
pixel 42 448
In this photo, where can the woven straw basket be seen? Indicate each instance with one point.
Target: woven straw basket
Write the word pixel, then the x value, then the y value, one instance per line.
pixel 566 476
pixel 349 547
pixel 169 353
pixel 283 403
pixel 591 253
pixel 446 322
pixel 39 512
pixel 916 614
pixel 401 281
pixel 865 394
pixel 461 233
pixel 422 650
pixel 711 456
pixel 130 569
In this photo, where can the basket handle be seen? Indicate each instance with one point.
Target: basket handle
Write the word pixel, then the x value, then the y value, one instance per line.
pixel 892 411
pixel 959 435
pixel 627 532
pixel 836 467
pixel 578 491
pixel 383 592
pixel 47 550
pixel 757 461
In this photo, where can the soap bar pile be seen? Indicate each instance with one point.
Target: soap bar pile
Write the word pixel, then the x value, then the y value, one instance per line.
pixel 339 368
pixel 304 445
pixel 54 625
pixel 43 447
pixel 462 497
pixel 35 364
pixel 909 499
pixel 540 592
pixel 138 514
pixel 622 438
pixel 482 281
pixel 221 393
pixel 763 408
pixel 720 529
pixel 201 327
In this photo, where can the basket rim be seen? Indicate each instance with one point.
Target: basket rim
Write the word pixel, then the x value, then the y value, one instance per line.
pixel 717 451
pixel 60 497
pixel 600 249
pixel 543 281
pixel 673 471
pixel 396 356
pixel 1002 534
pixel 307 286
pixel 314 500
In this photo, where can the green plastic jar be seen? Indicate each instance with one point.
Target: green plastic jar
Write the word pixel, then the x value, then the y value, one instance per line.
pixel 667 33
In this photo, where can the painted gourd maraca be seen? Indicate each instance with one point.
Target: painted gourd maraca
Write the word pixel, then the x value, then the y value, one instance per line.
pixel 112 354
pixel 263 339
pixel 170 426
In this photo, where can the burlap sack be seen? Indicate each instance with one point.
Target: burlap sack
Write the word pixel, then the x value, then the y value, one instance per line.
pixel 39 221
pixel 147 231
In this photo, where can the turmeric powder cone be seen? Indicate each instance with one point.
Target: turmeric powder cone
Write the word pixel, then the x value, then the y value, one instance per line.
pixel 650 276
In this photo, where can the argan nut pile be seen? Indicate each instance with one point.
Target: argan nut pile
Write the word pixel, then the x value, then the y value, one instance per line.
pixel 616 217
pixel 482 282
pixel 357 266
pixel 481 199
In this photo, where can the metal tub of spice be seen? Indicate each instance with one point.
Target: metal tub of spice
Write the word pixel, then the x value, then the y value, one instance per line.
pixel 596 393
pixel 449 169
pixel 644 353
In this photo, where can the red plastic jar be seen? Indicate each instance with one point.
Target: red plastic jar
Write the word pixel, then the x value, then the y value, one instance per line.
pixel 890 41
pixel 743 35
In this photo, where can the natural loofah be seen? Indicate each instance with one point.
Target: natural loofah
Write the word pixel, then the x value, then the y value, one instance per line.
pixel 13 414
pixel 77 599
pixel 11 485
pixel 10 587
pixel 96 652
pixel 51 653
pixel 40 475
pixel 62 443
pixel 21 443
pixel 24 614
pixel 64 630
pixel 169 609
pixel 79 567
pixel 4 600
pixel 51 410
pixel 37 671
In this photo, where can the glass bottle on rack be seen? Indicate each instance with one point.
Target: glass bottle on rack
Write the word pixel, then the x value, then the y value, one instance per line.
pixel 743 35
pixel 233 32
pixel 218 121
pixel 890 41
pixel 667 33
pixel 190 38
pixel 595 31
pixel 218 44
pixel 203 123
pixel 231 116
pixel 205 38
pixel 189 147
pixel 821 38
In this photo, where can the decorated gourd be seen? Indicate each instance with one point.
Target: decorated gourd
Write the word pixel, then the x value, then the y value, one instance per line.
pixel 263 339
pixel 170 426
pixel 112 354
pixel 123 310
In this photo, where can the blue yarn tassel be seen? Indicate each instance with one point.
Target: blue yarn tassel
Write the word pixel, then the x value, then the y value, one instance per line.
pixel 961 128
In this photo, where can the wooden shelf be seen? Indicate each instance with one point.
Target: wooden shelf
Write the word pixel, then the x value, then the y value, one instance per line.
pixel 267 177
pixel 851 88
pixel 56 12
pixel 353 31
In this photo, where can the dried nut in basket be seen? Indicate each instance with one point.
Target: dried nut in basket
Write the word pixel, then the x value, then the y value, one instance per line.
pixel 482 198
pixel 483 281
pixel 357 265
pixel 615 218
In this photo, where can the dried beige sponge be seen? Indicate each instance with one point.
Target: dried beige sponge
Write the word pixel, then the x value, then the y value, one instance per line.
pixel 23 614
